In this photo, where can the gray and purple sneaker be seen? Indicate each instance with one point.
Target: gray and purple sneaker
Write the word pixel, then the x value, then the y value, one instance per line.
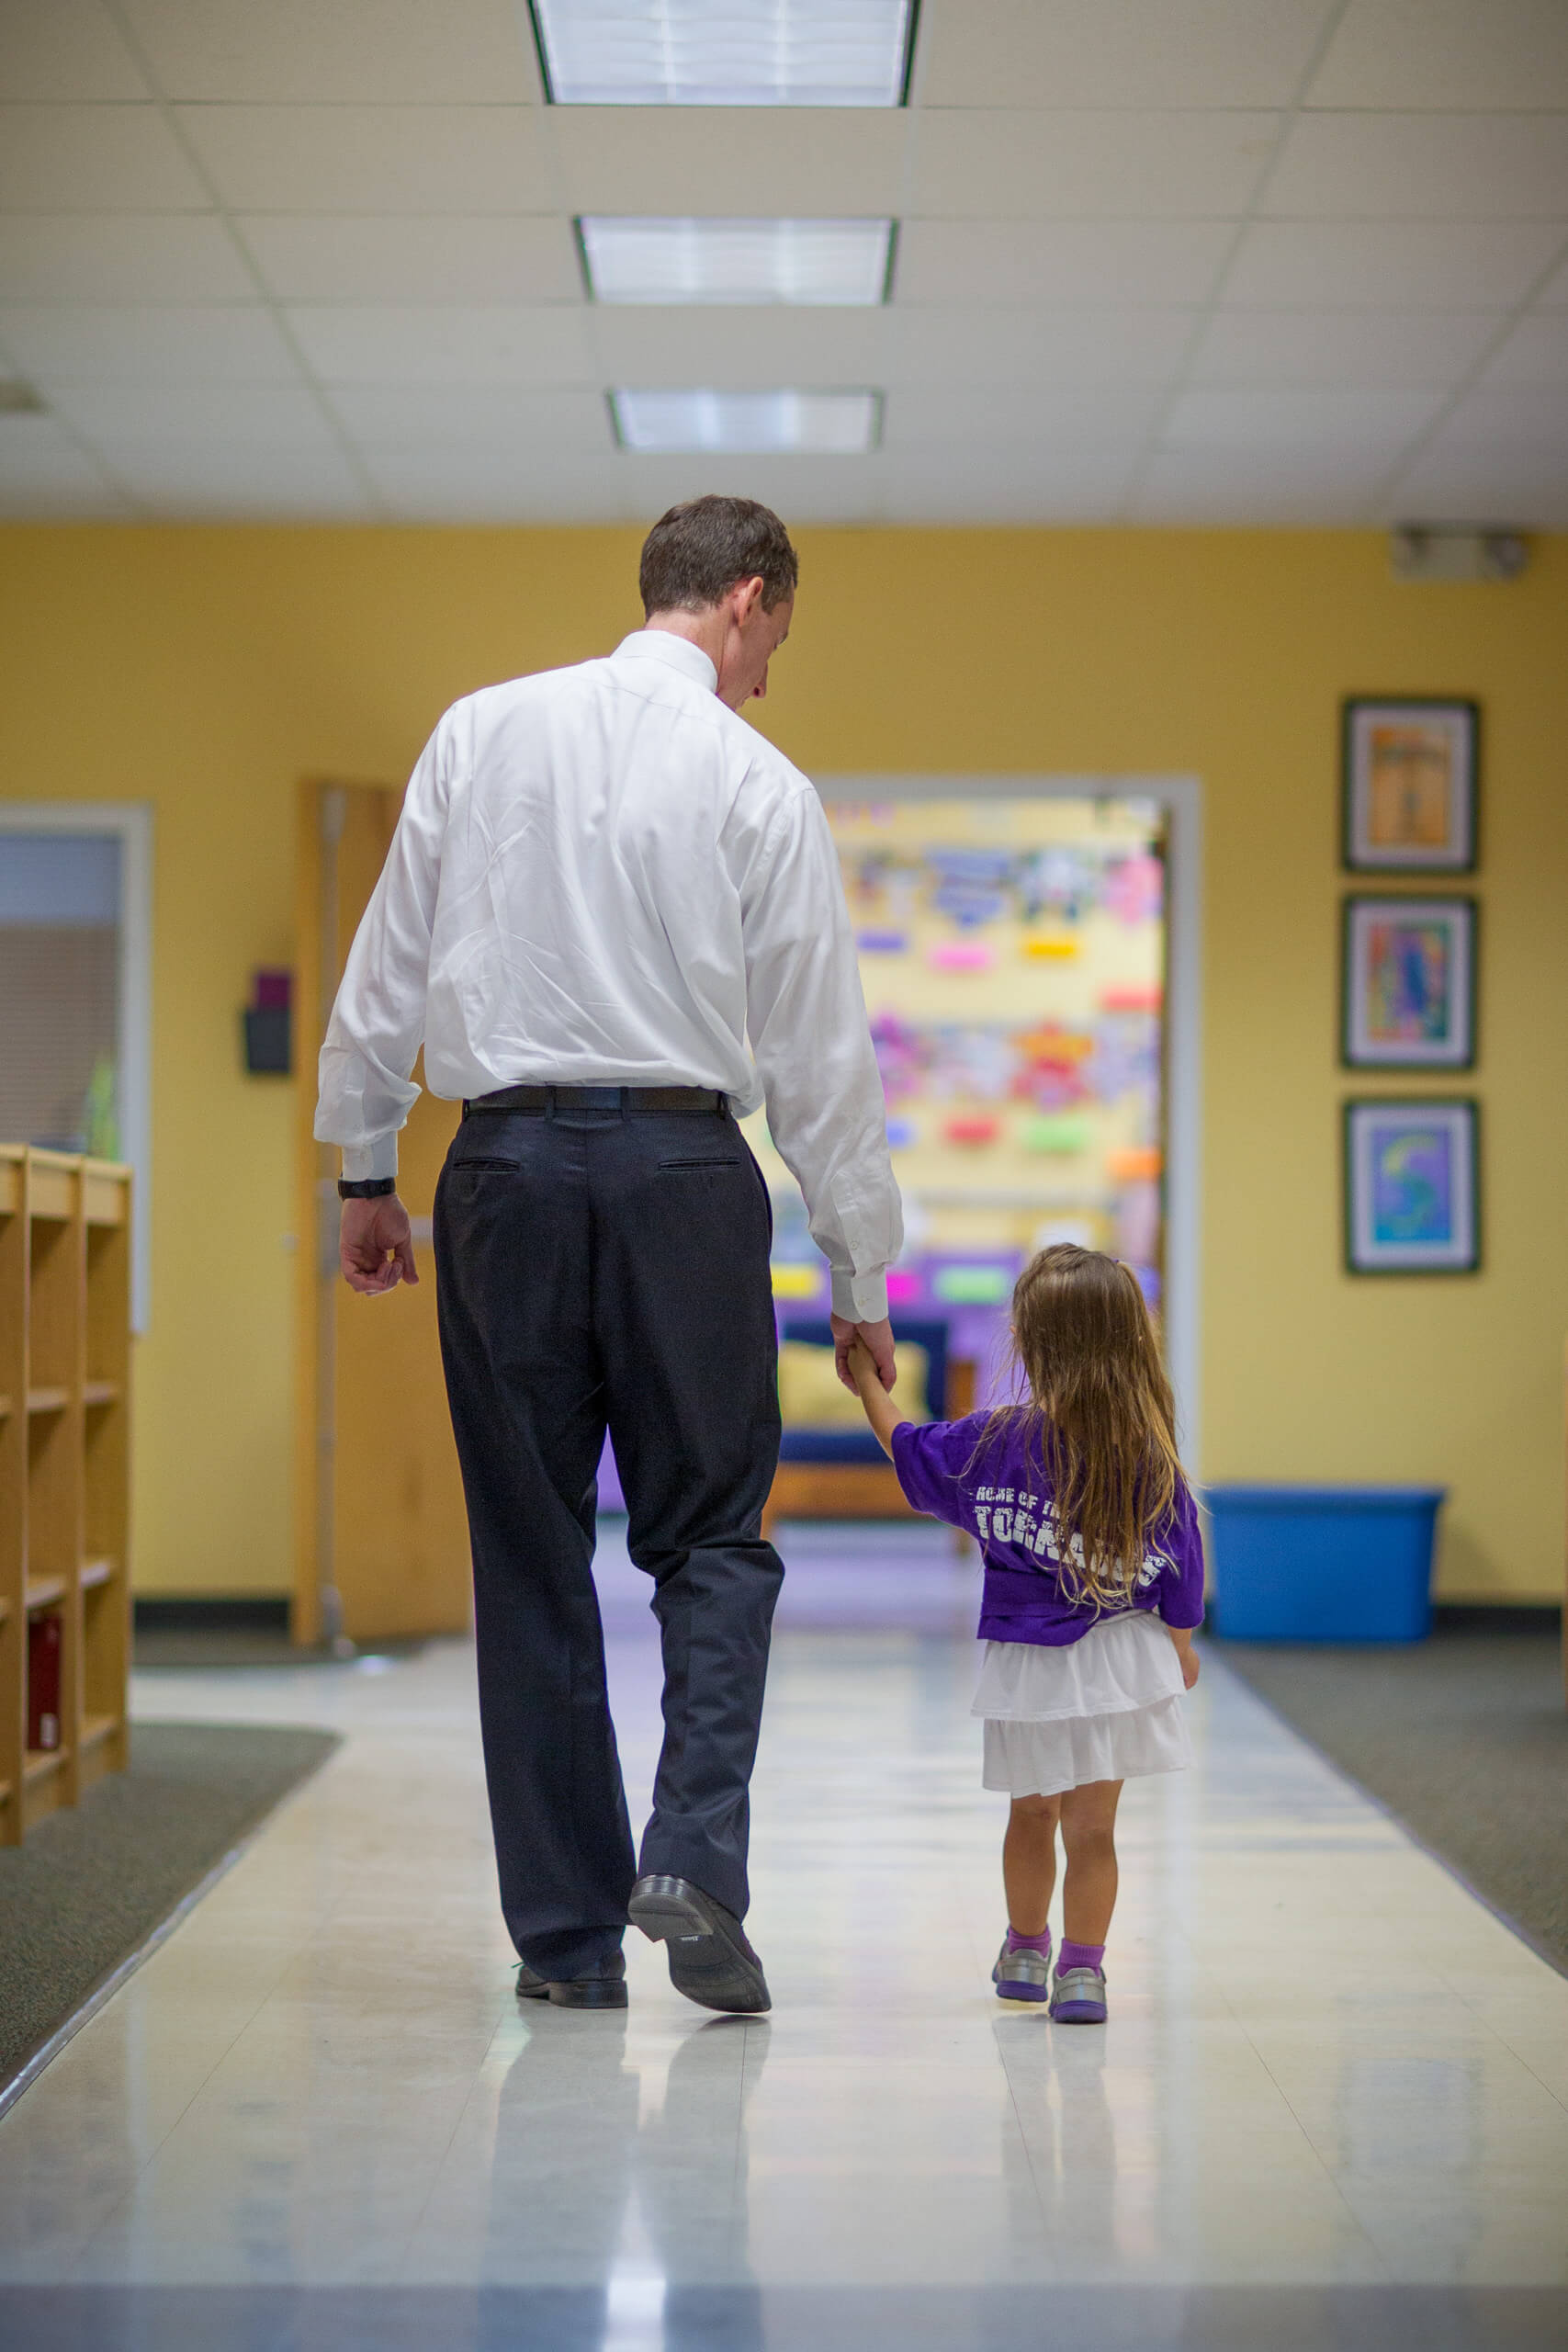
pixel 1078 1997
pixel 1023 1975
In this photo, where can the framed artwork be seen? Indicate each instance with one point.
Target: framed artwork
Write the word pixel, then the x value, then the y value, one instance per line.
pixel 1412 1188
pixel 1407 987
pixel 1409 783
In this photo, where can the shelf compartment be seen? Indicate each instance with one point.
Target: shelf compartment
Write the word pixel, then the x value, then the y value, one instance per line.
pixel 47 1401
pixel 45 1592
pixel 101 1392
pixel 95 1729
pixel 95 1573
pixel 41 1762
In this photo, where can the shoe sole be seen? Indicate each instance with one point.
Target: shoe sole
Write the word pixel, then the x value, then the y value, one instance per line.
pixel 705 1963
pixel 1078 2013
pixel 1010 1988
pixel 588 1993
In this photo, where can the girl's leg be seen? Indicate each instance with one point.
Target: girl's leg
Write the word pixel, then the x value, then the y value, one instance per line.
pixel 1089 1838
pixel 1029 1863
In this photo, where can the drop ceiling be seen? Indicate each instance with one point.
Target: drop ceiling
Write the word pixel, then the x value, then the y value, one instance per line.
pixel 1156 261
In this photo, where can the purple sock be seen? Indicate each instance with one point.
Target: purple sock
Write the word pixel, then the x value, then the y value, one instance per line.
pixel 1081 1955
pixel 1041 1943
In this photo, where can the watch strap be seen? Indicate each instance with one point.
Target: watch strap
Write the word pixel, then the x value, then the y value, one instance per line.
pixel 365 1188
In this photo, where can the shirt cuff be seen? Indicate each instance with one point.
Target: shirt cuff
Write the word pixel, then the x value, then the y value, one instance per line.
pixel 363 1162
pixel 861 1298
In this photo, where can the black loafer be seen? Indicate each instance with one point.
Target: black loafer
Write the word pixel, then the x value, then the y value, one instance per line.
pixel 606 1991
pixel 710 1959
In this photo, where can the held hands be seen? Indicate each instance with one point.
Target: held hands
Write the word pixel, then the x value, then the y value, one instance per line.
pixel 875 1339
pixel 376 1246
pixel 865 1374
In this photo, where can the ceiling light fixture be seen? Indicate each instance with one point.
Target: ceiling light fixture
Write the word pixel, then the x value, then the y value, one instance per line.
pixel 725 52
pixel 840 263
pixel 747 424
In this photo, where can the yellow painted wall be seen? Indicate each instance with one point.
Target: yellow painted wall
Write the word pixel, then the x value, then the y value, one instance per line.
pixel 205 670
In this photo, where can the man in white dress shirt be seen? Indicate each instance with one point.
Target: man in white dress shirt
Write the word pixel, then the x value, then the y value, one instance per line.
pixel 602 885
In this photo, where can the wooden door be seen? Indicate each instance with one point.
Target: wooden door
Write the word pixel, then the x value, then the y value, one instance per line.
pixel 381 1540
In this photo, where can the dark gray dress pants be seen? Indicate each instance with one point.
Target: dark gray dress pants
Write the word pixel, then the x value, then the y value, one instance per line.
pixel 609 1269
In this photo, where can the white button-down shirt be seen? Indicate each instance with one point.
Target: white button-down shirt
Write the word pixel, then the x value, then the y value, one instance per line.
pixel 602 876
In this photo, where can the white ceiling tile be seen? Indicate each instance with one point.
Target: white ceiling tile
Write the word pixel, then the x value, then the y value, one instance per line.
pixel 237 415
pixel 374 159
pixel 1299 421
pixel 1060 263
pixel 1054 350
pixel 118 257
pixel 45 471
pixel 147 346
pixel 1250 486
pixel 1502 421
pixel 1535 355
pixel 1445 53
pixel 493 257
pixel 260 479
pixel 939 345
pixel 1422 166
pixel 405 422
pixel 975 418
pixel 394 51
pixel 1340 350
pixel 1553 296
pixel 1392 265
pixel 1083 486
pixel 821 161
pixel 94 159
pixel 1117 53
pixel 64 49
pixel 1470 482
pixel 392 345
pixel 755 348
pixel 1141 166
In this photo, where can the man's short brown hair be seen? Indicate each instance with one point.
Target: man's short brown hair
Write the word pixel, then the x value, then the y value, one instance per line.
pixel 697 552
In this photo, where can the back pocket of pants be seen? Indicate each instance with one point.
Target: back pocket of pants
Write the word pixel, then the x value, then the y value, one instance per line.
pixel 486 1167
pixel 713 1160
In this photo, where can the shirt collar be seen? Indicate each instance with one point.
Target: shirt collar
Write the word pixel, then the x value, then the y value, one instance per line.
pixel 675 652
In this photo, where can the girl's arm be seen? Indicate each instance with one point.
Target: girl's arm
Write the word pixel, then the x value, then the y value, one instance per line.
pixel 1182 1637
pixel 880 1410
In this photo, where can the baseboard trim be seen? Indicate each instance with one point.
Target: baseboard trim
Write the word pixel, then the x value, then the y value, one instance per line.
pixel 186 1613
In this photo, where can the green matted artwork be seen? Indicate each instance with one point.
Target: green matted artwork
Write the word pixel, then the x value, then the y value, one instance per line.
pixel 1411 1187
pixel 1410 777
pixel 1408 983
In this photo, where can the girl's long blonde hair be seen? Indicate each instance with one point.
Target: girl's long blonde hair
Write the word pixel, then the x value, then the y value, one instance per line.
pixel 1100 1414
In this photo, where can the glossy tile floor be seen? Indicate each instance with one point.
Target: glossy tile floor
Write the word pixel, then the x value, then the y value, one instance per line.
pixel 1330 2109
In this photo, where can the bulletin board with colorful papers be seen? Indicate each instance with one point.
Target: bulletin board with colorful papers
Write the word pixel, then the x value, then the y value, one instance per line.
pixel 1013 954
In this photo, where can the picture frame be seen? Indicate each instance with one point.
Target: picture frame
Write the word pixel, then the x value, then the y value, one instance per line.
pixel 1410 769
pixel 1412 1186
pixel 1408 983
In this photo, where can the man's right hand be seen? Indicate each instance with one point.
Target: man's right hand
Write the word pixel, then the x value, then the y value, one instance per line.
pixel 374 1245
pixel 877 1341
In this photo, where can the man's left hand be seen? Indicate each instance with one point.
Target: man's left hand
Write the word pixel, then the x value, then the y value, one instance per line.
pixel 877 1341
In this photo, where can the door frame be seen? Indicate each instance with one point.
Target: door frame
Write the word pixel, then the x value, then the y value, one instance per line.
pixel 1182 799
pixel 130 823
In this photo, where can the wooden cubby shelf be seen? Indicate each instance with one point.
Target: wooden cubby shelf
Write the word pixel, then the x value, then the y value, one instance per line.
pixel 64 1472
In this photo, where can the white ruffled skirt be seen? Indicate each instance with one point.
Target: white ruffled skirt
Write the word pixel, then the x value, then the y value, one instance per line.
pixel 1107 1707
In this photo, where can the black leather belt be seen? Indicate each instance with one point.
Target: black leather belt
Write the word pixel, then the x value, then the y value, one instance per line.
pixel 537 1101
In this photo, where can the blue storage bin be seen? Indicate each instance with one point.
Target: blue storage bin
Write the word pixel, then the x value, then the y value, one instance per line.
pixel 1324 1563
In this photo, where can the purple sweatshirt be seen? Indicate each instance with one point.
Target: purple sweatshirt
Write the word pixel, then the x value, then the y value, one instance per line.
pixel 1006 1500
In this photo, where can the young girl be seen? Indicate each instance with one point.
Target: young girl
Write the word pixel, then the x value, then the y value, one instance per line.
pixel 1094 1581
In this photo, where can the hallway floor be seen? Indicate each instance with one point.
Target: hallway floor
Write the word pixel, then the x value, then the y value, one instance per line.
pixel 1330 2108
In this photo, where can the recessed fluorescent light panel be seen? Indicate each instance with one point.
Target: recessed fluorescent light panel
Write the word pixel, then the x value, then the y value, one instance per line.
pixel 749 423
pixel 838 262
pixel 725 52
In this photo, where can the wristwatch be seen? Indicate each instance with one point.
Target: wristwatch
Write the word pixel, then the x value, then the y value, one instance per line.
pixel 365 1188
